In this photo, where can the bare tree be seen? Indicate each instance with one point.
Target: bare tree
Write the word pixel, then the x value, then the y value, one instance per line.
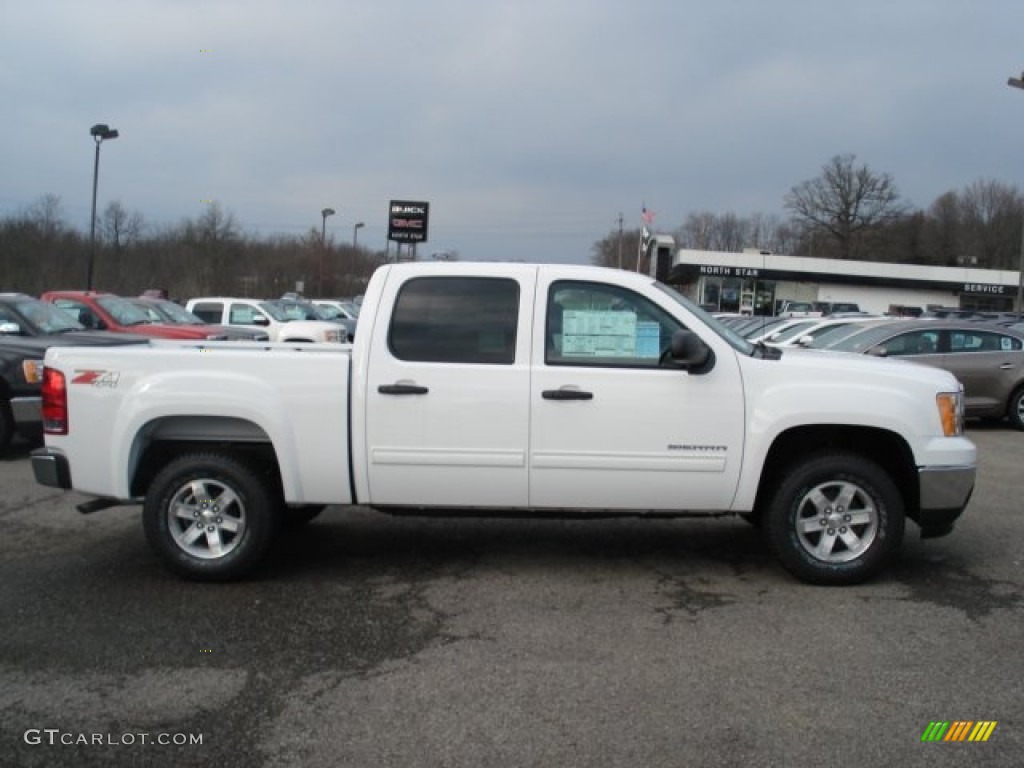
pixel 991 221
pixel 730 233
pixel 697 232
pixel 606 252
pixel 47 213
pixel 844 202
pixel 944 231
pixel 118 227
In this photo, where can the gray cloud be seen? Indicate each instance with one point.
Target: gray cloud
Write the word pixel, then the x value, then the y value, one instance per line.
pixel 529 126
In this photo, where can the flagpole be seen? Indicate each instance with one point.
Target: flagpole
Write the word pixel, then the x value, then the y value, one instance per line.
pixel 647 217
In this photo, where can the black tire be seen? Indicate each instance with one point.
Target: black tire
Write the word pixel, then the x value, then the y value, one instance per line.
pixel 824 542
pixel 6 426
pixel 293 518
pixel 210 517
pixel 1015 410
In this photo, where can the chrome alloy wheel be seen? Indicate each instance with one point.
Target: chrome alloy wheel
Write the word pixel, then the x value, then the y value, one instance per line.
pixel 836 521
pixel 206 518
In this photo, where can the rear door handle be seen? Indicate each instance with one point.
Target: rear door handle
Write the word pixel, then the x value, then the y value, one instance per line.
pixel 1007 366
pixel 566 394
pixel 402 389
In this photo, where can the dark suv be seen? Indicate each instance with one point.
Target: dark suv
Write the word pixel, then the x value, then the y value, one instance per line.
pixel 28 327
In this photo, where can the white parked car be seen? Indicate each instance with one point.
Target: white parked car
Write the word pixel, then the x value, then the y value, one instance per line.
pixel 268 315
pixel 833 327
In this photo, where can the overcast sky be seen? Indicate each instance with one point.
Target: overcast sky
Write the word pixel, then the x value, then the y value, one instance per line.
pixel 529 126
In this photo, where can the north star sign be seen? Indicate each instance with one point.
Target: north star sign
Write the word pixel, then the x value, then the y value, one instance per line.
pixel 407 221
pixel 728 271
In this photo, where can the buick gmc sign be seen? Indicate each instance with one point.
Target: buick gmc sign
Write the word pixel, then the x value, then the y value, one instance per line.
pixel 407 221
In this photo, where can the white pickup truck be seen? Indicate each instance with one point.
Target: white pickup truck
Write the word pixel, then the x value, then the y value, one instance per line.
pixel 489 388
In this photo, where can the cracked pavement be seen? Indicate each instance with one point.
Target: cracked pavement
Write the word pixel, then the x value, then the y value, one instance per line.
pixel 370 641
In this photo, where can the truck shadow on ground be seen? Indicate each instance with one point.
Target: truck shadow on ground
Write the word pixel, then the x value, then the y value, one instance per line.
pixel 338 542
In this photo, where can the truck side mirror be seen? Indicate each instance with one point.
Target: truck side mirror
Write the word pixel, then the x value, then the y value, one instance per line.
pixel 690 353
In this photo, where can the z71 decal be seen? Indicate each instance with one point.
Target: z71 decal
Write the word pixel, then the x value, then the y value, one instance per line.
pixel 97 378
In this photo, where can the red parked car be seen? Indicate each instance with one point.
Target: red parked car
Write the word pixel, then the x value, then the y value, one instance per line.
pixel 105 311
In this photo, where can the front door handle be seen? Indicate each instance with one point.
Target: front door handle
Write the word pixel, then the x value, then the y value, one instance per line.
pixel 402 389
pixel 1007 366
pixel 566 394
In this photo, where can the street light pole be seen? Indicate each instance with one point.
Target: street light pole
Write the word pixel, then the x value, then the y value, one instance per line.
pixel 323 248
pixel 355 234
pixel 99 132
pixel 1018 82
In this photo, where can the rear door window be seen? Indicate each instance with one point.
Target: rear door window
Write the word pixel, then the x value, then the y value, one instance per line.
pixel 209 311
pixel 456 320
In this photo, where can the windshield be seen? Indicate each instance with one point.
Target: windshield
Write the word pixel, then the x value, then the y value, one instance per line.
pixel 733 338
pixel 177 313
pixel 46 317
pixel 275 310
pixel 790 331
pixel 829 336
pixel 862 339
pixel 329 312
pixel 297 310
pixel 124 312
pixel 760 329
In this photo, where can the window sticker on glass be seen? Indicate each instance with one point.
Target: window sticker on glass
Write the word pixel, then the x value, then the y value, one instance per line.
pixel 598 333
pixel 1006 343
pixel 648 339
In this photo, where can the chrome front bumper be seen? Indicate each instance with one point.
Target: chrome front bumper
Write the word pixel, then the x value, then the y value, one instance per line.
pixel 944 493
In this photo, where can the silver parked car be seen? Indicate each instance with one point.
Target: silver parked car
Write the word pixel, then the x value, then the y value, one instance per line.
pixel 987 358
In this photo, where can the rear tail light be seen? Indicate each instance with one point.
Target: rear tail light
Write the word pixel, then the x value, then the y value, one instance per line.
pixel 55 402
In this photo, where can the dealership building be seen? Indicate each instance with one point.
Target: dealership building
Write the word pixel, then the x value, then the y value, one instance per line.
pixel 759 282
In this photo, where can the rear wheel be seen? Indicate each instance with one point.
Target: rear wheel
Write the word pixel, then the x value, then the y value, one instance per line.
pixel 210 516
pixel 835 519
pixel 1015 411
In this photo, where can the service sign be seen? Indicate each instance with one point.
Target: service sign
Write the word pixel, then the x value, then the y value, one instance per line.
pixel 407 221
pixel 998 290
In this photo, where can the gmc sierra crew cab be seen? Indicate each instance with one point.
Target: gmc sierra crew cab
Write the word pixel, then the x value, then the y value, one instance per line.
pixel 498 389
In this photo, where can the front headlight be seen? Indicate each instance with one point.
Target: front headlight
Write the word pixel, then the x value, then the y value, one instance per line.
pixel 951 412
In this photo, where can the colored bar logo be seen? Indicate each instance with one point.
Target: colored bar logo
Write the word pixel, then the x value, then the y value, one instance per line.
pixel 959 730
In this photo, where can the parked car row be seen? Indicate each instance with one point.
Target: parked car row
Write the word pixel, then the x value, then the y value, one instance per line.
pixel 29 326
pixel 291 319
pixel 987 356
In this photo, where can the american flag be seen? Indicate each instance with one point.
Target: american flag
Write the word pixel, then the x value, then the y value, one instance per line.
pixel 645 215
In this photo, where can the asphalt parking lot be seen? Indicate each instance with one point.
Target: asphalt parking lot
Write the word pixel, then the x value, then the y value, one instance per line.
pixel 375 641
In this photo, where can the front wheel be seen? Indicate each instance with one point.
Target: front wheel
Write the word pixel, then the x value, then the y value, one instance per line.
pixel 835 519
pixel 209 516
